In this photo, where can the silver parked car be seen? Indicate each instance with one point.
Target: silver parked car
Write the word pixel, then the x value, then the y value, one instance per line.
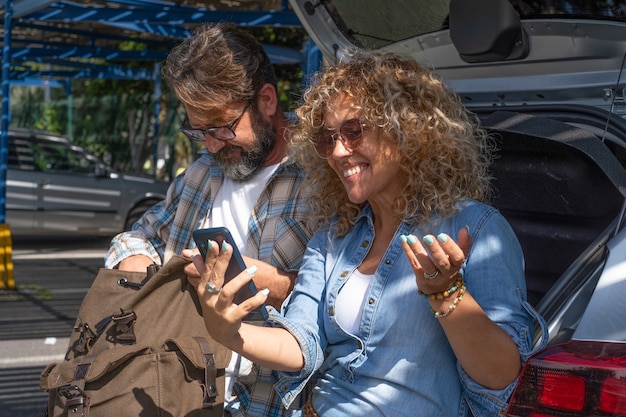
pixel 546 77
pixel 56 188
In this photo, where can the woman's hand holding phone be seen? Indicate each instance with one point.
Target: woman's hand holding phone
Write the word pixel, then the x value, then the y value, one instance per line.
pixel 217 250
pixel 222 316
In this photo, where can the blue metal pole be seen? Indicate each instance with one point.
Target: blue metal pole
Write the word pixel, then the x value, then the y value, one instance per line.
pixel 157 111
pixel 6 106
pixel 6 263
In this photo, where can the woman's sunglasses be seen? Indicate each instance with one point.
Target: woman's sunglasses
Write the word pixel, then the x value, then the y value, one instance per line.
pixel 350 134
pixel 220 132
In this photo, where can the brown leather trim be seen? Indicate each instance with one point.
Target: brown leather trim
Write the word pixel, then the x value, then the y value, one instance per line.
pixel 308 410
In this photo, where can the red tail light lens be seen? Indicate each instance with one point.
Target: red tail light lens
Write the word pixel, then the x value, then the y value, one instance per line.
pixel 612 396
pixel 571 380
pixel 562 391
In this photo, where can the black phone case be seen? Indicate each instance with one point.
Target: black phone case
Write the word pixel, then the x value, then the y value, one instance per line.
pixel 235 267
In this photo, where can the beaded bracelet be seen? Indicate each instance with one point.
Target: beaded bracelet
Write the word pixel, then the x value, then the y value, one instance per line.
pixel 446 293
pixel 451 307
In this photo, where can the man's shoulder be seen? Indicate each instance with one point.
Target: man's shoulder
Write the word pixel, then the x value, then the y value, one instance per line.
pixel 290 173
pixel 204 162
pixel 288 166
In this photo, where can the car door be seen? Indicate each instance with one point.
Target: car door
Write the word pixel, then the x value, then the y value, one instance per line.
pixel 74 194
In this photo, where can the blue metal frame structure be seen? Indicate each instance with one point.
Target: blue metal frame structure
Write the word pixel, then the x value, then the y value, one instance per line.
pixel 65 32
pixel 82 38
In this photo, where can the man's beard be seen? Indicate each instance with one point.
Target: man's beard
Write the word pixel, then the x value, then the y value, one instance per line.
pixel 248 162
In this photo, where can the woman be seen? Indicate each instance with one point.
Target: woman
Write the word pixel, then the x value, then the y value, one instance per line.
pixel 411 296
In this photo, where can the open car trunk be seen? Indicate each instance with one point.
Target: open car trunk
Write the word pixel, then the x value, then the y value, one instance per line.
pixel 563 190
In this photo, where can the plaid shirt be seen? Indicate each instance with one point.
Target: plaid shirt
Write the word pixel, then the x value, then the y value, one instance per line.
pixel 277 234
pixel 257 398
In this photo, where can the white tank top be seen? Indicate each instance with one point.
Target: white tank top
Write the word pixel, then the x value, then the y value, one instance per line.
pixel 350 301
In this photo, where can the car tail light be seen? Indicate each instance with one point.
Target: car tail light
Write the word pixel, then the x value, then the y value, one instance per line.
pixel 577 378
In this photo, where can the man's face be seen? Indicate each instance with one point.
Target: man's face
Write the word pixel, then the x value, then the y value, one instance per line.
pixel 241 162
pixel 241 157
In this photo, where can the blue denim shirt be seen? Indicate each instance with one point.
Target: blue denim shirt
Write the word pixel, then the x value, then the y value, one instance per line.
pixel 400 363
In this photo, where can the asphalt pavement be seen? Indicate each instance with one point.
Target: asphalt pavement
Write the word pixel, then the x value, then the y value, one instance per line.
pixel 36 319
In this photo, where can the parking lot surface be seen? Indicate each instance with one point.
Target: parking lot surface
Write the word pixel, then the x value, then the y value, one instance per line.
pixel 36 319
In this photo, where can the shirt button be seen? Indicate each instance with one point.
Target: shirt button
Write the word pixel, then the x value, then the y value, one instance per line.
pixel 370 301
pixel 344 274
pixel 387 261
pixel 331 311
pixel 365 244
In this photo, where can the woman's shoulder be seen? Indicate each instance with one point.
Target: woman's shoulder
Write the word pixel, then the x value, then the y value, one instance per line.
pixel 470 207
pixel 473 214
pixel 481 216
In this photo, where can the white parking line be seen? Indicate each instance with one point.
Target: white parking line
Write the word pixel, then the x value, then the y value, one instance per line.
pixel 32 352
pixel 82 254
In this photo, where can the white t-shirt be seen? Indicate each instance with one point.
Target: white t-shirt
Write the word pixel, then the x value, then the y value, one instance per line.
pixel 234 203
pixel 232 207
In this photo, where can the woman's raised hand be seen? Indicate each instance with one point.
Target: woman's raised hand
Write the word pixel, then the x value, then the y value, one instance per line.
pixel 436 260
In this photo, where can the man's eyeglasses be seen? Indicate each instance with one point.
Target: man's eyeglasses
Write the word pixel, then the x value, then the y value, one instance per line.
pixel 220 132
pixel 350 134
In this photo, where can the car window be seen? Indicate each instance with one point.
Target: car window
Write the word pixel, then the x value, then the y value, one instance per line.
pixel 20 155
pixel 58 158
pixel 375 23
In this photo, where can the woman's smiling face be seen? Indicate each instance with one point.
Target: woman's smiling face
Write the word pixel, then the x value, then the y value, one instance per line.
pixel 369 172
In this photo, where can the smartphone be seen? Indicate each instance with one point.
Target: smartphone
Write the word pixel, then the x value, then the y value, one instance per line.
pixel 234 268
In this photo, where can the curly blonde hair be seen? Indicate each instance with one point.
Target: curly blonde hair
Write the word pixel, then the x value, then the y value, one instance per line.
pixel 445 154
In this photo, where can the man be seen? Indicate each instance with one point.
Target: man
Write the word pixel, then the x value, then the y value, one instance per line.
pixel 243 180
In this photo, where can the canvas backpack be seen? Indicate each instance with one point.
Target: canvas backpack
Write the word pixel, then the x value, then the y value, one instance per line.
pixel 139 348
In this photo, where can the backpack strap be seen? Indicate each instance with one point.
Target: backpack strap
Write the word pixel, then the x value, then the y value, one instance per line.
pixel 210 372
pixel 76 400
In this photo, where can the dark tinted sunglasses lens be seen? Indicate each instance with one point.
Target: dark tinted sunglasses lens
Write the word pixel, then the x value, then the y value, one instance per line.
pixel 324 144
pixel 352 132
pixel 222 133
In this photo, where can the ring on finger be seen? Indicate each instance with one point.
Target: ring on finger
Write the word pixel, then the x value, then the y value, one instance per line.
pixel 211 288
pixel 431 275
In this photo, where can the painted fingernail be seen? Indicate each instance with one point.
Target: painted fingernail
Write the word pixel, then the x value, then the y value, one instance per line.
pixel 252 270
pixel 224 246
pixel 209 244
pixel 442 237
pixel 265 291
pixel 467 228
pixel 429 240
pixel 402 238
pixel 411 239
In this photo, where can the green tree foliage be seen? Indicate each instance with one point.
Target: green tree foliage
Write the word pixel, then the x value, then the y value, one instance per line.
pixel 115 119
pixel 32 109
pixel 289 75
